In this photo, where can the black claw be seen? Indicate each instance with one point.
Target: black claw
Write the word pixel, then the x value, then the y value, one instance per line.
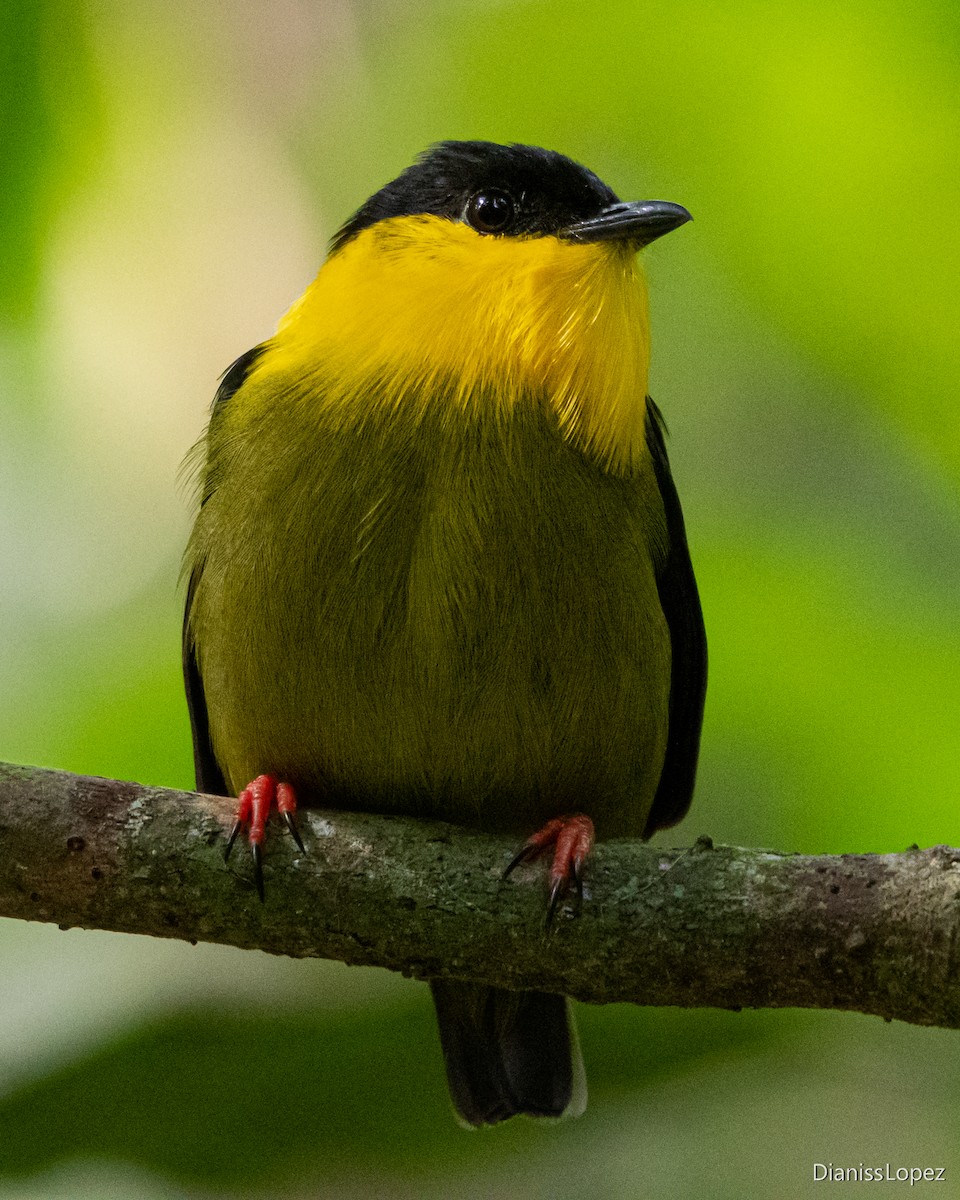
pixel 294 831
pixel 524 854
pixel 237 826
pixel 578 880
pixel 558 891
pixel 258 869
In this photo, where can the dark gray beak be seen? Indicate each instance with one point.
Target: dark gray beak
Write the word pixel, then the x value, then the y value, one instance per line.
pixel 641 223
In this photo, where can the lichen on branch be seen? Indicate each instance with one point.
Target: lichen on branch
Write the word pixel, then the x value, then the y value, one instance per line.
pixel 706 926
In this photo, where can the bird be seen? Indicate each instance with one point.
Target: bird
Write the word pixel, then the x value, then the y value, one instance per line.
pixel 439 566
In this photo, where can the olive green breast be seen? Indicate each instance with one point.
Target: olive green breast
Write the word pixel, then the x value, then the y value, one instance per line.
pixel 432 613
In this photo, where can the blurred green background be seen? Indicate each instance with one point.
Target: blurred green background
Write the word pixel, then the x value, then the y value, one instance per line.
pixel 169 174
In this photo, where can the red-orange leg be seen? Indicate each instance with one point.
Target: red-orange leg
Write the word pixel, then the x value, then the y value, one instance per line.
pixel 253 808
pixel 572 838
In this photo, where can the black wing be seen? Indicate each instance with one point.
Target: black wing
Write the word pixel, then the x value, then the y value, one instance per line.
pixel 209 775
pixel 688 640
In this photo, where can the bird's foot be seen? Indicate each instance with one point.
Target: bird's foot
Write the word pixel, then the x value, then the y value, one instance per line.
pixel 253 807
pixel 572 839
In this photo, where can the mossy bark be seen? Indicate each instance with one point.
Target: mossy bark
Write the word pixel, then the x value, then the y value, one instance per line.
pixel 707 926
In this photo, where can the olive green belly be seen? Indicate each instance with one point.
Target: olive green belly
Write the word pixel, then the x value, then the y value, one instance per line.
pixel 463 624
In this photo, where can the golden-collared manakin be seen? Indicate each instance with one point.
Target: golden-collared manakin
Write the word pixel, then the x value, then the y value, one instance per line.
pixel 439 566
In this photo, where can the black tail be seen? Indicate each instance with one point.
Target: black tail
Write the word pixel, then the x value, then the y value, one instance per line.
pixel 508 1053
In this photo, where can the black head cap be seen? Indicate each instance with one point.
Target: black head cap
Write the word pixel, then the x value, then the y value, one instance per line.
pixel 495 189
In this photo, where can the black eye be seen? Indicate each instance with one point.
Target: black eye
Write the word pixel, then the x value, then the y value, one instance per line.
pixel 490 211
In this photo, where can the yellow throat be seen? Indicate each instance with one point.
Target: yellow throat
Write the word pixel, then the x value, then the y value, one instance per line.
pixel 427 307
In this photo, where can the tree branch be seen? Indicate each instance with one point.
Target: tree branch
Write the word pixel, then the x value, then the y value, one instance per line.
pixel 717 926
